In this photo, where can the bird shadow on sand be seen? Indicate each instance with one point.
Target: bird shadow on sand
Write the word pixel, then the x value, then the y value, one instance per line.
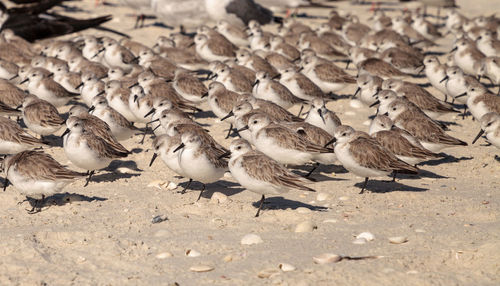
pixel 322 173
pixel 446 159
pixel 53 141
pixel 114 174
pixel 280 203
pixel 225 187
pixel 421 174
pixel 380 186
pixel 63 199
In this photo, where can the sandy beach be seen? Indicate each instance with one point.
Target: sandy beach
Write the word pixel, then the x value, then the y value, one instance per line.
pixel 104 235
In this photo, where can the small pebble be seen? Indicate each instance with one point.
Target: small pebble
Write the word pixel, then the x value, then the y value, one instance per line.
pixel 326 258
pixel 218 198
pixel 343 198
pixel 398 239
pixel 366 235
pixel 164 255
pixel 171 186
pixel 419 230
pixel 250 239
pixel 156 184
pixel 306 226
pixel 192 253
pixel 330 220
pixel 201 268
pixel 228 258
pixel 158 219
pixel 285 267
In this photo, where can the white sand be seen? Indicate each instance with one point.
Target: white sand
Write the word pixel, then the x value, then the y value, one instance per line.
pixel 450 216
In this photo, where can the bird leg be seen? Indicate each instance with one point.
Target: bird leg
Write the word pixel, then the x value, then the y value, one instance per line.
pixel 260 205
pixel 300 111
pixel 316 165
pixel 229 131
pixel 394 176
pixel 90 173
pixel 199 197
pixel 465 111
pixel 37 207
pixel 5 184
pixel 364 186
pixel 187 186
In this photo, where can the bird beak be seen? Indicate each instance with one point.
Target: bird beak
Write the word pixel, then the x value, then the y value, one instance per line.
pixel 65 132
pixel 24 81
pixel 463 94
pixel 478 136
pixel 225 155
pixel 135 84
pixel 300 69
pixel 348 63
pixel 153 159
pixel 276 77
pixel 375 103
pixel 331 141
pixel 50 74
pixel 356 93
pixel 150 112
pixel 179 147
pixel 156 120
pixel 454 49
pixel 204 95
pixel 227 116
pixel 91 108
pixel 80 85
pixel 100 93
pixel 14 77
pixel 444 78
pixel 255 83
pixel 190 45
pixel 321 115
pixel 243 128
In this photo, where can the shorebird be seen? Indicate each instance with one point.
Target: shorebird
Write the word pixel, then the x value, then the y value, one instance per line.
pixel 86 149
pixel 13 139
pixel 490 124
pixel 365 157
pixel 121 128
pixel 266 88
pixel 37 175
pixel 427 131
pixel 393 139
pixel 322 117
pixel 47 89
pixel 260 174
pixel 210 166
pixel 326 75
pixel 40 116
pixel 239 12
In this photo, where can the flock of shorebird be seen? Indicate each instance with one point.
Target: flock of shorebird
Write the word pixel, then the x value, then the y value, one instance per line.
pixel 249 77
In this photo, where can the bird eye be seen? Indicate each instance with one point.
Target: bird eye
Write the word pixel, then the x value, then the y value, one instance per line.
pixel 454 72
pixel 238 148
pixel 161 104
pixel 489 124
pixel 344 134
pixel 382 125
pixel 33 75
pixel 473 89
pixel 394 109
pixel 255 122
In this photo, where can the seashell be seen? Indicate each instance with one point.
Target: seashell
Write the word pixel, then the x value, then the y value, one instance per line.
pixel 326 258
pixel 192 253
pixel 163 255
pixel 170 186
pixel 419 230
pixel 218 198
pixel 398 239
pixel 360 240
pixel 330 220
pixel 322 197
pixel 285 267
pixel 158 219
pixel 343 198
pixel 156 184
pixel 366 235
pixel 201 268
pixel 250 239
pixel 266 273
pixel 303 210
pixel 306 226
pixel 228 258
